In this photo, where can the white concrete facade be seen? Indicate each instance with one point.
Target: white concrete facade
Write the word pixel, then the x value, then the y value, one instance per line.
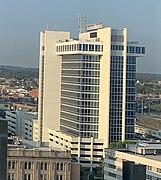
pixel 20 123
pixel 87 86
pixel 142 153
pixel 49 81
pixel 88 151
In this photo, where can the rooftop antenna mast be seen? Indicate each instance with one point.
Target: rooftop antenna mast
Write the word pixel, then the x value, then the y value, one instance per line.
pixel 82 22
pixel 47 25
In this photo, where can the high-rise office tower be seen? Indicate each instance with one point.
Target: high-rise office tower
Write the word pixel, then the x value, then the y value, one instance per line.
pixel 87 85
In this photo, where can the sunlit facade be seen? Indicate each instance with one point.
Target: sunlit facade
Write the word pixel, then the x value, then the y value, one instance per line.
pixel 87 86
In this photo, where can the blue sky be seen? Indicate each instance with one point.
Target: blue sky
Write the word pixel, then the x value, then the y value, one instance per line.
pixel 22 20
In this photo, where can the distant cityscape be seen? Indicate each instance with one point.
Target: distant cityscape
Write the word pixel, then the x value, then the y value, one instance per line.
pixel 84 114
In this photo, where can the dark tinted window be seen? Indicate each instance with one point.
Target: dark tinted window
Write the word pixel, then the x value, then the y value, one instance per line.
pixel 93 35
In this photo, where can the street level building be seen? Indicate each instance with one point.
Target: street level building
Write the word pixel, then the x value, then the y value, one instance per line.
pixel 21 123
pixel 142 153
pixel 132 171
pixel 30 162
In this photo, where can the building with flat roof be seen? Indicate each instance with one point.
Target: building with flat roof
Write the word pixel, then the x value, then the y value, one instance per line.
pixel 87 151
pixel 87 86
pixel 143 153
pixel 21 123
pixel 132 171
pixel 5 106
pixel 28 161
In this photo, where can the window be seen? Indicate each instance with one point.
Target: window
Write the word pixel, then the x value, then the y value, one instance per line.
pixel 112 174
pixel 85 47
pixel 112 166
pixel 113 47
pixel 91 47
pixel 45 177
pixel 13 165
pixel 75 47
pixel 101 48
pixel 9 165
pixel 11 176
pixel 112 158
pixel 43 166
pixel 149 168
pixel 158 170
pixel 143 50
pixel 138 49
pixel 61 177
pixel 27 176
pixel 149 177
pixel 29 165
pixel 43 48
pixel 79 47
pixel 117 38
pixel 57 166
pixel 61 167
pixel 97 47
pixel 93 35
pixel 41 177
pixel 25 165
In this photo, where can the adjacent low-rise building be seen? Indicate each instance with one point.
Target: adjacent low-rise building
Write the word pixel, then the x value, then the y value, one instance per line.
pixel 31 162
pixel 20 123
pixel 88 151
pixel 145 153
pixel 5 106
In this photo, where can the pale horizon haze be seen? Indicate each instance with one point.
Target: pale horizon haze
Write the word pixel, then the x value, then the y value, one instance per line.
pixel 21 22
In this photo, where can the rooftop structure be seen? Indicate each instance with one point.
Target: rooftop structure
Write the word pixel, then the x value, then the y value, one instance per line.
pixel 27 160
pixel 144 152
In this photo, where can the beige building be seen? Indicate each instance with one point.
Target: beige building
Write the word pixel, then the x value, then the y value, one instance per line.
pixel 87 151
pixel 29 162
pixel 146 153
pixel 49 81
pixel 87 85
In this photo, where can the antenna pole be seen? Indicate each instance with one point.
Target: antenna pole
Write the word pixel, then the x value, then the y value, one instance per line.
pixel 47 25
pixel 79 23
pixel 82 22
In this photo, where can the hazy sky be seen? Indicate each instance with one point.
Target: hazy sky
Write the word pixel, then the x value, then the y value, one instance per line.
pixel 22 20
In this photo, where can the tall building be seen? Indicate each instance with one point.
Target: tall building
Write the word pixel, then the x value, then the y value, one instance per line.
pixel 87 85
pixel 49 81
